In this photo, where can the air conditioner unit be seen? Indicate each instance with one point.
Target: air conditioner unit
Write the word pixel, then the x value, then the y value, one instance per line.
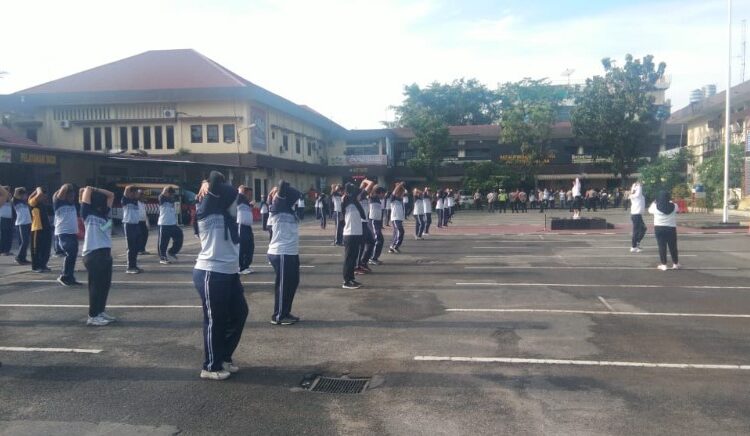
pixel 65 124
pixel 169 113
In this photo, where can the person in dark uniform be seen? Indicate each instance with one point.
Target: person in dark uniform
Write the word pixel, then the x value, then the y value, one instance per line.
pixel 130 220
pixel 23 223
pixel 376 223
pixel 168 227
pixel 216 276
pixel 245 228
pixel 283 252
pixel 66 230
pixel 6 221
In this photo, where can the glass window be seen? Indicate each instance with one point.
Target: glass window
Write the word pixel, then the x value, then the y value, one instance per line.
pixel 147 137
pixel 196 134
pixel 123 138
pixel 309 149
pixel 285 141
pixel 108 138
pixel 228 132
pixel 87 138
pixel 212 133
pixel 297 146
pixel 170 137
pixel 97 138
pixel 158 140
pixel 135 137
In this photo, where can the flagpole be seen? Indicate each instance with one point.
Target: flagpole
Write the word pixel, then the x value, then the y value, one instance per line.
pixel 728 121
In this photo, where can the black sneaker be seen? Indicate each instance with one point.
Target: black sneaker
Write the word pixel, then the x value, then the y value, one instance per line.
pixel 287 320
pixel 22 262
pixel 63 282
pixel 357 283
pixel 133 271
pixel 351 285
pixel 397 250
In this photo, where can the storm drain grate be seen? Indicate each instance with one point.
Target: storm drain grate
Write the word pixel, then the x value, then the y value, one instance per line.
pixel 332 385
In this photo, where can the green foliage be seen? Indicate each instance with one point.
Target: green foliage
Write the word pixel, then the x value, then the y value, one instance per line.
pixel 529 109
pixel 616 113
pixel 486 176
pixel 711 174
pixel 665 173
pixel 462 102
pixel 431 139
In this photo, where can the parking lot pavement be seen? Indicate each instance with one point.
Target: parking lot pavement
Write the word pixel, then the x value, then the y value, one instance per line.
pixel 479 329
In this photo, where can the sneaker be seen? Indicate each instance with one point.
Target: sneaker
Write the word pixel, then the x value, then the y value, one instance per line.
pixel 107 316
pixel 287 320
pixel 215 375
pixel 359 271
pixel 635 250
pixel 662 267
pixel 22 262
pixel 351 285
pixel 398 251
pixel 391 250
pixel 133 271
pixel 247 271
pixel 676 266
pixel 96 321
pixel 230 367
pixel 164 261
pixel 425 234
pixel 63 282
pixel 365 268
pixel 375 262
pixel 75 282
pixel 172 257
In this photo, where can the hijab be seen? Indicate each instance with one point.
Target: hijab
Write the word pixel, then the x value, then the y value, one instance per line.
pixel 663 204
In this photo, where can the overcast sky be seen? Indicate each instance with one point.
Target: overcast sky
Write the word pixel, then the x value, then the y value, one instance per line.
pixel 349 59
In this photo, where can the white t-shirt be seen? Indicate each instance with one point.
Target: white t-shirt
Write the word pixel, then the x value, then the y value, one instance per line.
pixel 397 210
pixel 376 210
pixel 637 201
pixel 663 219
pixel 439 204
pixel 244 214
pixel 427 205
pixel 352 221
pixel 285 238
pixel 418 207
pixel 218 252
pixel 336 203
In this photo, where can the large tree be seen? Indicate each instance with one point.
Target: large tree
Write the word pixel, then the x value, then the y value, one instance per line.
pixel 665 173
pixel 462 102
pixel 431 137
pixel 711 173
pixel 529 110
pixel 490 176
pixel 616 113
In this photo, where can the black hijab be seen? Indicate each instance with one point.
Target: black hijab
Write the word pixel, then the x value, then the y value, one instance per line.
pixel 663 204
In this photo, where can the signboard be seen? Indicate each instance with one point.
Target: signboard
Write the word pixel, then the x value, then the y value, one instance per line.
pixel 587 159
pixel 361 159
pixel 5 156
pixel 37 158
pixel 259 133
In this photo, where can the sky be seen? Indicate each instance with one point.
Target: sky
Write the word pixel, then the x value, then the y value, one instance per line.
pixel 350 59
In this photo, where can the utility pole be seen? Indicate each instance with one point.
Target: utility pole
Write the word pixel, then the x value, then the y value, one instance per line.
pixel 727 115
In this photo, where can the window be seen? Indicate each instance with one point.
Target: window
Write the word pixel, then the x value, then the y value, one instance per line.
pixel 158 140
pixel 97 138
pixel 108 138
pixel 31 134
pixel 123 138
pixel 285 142
pixel 170 137
pixel 196 134
pixel 228 132
pixel 273 134
pixel 212 133
pixel 309 149
pixel 147 137
pixel 297 146
pixel 87 138
pixel 135 137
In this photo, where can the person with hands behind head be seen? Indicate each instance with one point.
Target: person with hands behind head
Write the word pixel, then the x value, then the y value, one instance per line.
pixel 665 228
pixel 216 277
pixel 130 224
pixel 23 223
pixel 143 225
pixel 6 221
pixel 353 228
pixel 66 230
pixel 283 251
pixel 245 229
pixel 397 217
pixel 97 251
pixel 368 239
pixel 168 227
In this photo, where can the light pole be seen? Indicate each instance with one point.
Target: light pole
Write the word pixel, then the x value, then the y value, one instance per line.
pixel 727 120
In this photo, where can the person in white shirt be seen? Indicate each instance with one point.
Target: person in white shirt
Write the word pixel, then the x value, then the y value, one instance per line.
pixel 6 221
pixel 387 211
pixel 427 201
pixel 283 252
pixel 338 217
pixel 143 225
pixel 245 228
pixel 130 220
pixel 439 204
pixel 168 227
pixel 577 200
pixel 375 215
pixel 397 217
pixel 301 208
pixel 637 205
pixel 418 213
pixel 97 251
pixel 354 217
pixel 665 228
pixel 23 223
pixel 368 238
pixel 264 215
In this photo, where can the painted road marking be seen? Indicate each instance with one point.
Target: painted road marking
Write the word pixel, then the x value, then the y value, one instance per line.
pixel 52 350
pixel 129 282
pixel 598 267
pixel 604 302
pixel 110 306
pixel 587 285
pixel 561 256
pixel 604 312
pixel 524 361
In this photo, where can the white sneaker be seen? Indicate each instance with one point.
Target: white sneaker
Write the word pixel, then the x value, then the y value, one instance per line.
pixel 676 266
pixel 635 250
pixel 96 321
pixel 165 261
pixel 230 367
pixel 662 267
pixel 247 271
pixel 215 375
pixel 107 316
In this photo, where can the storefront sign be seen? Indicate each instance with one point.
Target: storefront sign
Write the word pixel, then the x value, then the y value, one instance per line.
pixel 587 159
pixel 5 156
pixel 362 159
pixel 37 158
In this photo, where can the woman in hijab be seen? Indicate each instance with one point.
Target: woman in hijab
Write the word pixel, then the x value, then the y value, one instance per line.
pixel 665 228
pixel 283 251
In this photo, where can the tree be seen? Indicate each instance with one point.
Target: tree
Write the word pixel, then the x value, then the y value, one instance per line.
pixel 711 174
pixel 665 173
pixel 462 102
pixel 529 110
pixel 486 176
pixel 431 137
pixel 616 114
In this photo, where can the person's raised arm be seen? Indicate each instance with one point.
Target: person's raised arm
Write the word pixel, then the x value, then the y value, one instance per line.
pixel 85 195
pixel 61 193
pixel 34 196
pixel 4 195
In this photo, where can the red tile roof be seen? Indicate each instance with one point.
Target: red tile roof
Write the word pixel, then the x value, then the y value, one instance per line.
pixel 152 70
pixel 10 137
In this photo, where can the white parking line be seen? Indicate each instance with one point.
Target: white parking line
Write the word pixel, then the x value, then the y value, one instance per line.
pixel 604 312
pixel 524 361
pixel 564 256
pixel 589 285
pixel 52 350
pixel 131 282
pixel 110 306
pixel 597 267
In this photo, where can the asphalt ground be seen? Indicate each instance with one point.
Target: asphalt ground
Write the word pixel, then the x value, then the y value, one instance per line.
pixel 491 327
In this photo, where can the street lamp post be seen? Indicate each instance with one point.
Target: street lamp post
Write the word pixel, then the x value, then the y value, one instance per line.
pixel 727 119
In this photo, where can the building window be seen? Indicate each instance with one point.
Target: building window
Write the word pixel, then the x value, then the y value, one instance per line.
pixel 285 142
pixel 135 137
pixel 31 134
pixel 228 130
pixel 297 146
pixel 273 134
pixel 108 138
pixel 309 149
pixel 87 138
pixel 170 137
pixel 158 140
pixel 123 138
pixel 147 137
pixel 196 134
pixel 212 133
pixel 97 138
